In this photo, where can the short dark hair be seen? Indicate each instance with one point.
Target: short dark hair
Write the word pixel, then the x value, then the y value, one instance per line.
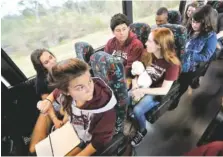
pixel 161 11
pixel 118 19
pixel 207 16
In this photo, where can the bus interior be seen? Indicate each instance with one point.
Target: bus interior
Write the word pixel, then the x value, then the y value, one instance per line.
pixel 177 125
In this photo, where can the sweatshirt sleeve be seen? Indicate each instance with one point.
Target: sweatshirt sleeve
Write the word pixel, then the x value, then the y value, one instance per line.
pixel 56 93
pixel 207 51
pixel 108 47
pixel 134 55
pixel 103 128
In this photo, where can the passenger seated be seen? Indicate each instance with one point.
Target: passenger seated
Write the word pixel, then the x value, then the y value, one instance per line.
pixel 200 46
pixel 125 44
pixel 161 17
pixel 43 60
pixel 188 13
pixel 163 66
pixel 89 103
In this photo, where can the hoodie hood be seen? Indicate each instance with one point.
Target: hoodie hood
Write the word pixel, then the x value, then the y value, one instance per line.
pixel 103 98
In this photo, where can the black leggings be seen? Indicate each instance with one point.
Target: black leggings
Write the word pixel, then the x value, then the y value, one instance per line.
pixel 185 80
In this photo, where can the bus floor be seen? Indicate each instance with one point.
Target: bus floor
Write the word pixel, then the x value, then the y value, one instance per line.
pixel 178 131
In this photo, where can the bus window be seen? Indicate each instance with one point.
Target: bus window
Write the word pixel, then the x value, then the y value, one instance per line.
pixel 145 11
pixel 55 25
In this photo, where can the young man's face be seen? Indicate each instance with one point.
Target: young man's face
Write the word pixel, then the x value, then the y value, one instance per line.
pixel 161 19
pixel 121 32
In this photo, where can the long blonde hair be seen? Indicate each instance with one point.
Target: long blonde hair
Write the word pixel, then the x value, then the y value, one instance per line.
pixel 165 39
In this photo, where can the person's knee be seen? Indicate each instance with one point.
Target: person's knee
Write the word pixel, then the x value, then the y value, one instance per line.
pixel 32 148
pixel 137 111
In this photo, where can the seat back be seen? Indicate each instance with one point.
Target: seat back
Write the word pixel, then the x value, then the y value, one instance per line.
pixel 111 70
pixel 180 36
pixel 142 31
pixel 84 51
pixel 166 102
pixel 174 17
pixel 218 5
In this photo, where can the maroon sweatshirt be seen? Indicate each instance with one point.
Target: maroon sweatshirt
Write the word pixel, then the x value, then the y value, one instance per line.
pixel 95 121
pixel 129 52
pixel 211 149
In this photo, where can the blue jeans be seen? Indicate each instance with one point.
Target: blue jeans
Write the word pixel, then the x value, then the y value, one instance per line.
pixel 143 106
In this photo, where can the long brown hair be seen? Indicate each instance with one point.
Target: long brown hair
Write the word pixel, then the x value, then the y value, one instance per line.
pixel 62 73
pixel 186 18
pixel 206 15
pixel 35 58
pixel 165 39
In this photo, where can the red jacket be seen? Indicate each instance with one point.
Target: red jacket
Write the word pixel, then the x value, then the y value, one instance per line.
pixel 129 52
pixel 211 149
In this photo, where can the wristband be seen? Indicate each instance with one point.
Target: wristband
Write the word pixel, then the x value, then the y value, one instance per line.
pixel 49 100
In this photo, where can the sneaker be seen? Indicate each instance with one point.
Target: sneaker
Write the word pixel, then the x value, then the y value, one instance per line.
pixel 138 138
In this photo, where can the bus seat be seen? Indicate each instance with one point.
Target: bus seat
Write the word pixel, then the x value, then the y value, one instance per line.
pixel 111 70
pixel 142 31
pixel 180 36
pixel 116 147
pixel 174 17
pixel 166 103
pixel 83 51
pixel 218 5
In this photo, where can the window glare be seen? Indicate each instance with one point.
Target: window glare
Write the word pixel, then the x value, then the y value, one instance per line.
pixel 53 24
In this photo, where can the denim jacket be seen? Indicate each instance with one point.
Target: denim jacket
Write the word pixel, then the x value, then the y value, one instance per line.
pixel 198 49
